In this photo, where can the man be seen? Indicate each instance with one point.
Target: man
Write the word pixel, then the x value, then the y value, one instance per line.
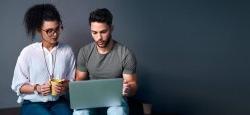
pixel 106 58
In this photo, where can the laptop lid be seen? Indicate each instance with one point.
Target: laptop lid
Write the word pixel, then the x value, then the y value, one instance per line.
pixel 95 93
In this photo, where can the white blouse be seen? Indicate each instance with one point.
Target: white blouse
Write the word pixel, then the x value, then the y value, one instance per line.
pixel 31 68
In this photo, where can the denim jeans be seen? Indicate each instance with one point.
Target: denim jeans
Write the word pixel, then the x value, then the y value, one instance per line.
pixel 115 110
pixel 59 107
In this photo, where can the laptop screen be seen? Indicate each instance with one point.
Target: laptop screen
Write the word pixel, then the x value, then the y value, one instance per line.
pixel 95 93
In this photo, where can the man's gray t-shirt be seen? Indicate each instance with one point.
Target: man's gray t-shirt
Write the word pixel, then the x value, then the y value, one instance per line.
pixel 120 60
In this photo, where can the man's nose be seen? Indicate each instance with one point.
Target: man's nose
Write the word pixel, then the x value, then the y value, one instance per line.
pixel 99 36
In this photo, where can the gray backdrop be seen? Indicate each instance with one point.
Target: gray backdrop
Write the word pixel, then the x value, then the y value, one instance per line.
pixel 193 56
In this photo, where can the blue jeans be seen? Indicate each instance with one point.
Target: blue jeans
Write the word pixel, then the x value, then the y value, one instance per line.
pixel 115 110
pixel 59 107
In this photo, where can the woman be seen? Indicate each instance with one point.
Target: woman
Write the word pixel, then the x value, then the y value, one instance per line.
pixel 40 62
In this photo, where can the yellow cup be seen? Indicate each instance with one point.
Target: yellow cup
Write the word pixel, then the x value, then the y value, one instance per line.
pixel 53 83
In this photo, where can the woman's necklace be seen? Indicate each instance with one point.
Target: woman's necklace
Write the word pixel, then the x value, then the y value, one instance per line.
pixel 51 75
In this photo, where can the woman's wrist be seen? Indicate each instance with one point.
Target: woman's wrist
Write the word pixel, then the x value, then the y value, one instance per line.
pixel 36 88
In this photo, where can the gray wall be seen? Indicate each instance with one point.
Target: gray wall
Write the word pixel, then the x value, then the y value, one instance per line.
pixel 193 55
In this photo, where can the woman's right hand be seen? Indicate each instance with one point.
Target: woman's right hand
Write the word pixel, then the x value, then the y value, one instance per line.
pixel 44 89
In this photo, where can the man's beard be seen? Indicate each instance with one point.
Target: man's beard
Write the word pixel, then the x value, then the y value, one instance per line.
pixel 103 44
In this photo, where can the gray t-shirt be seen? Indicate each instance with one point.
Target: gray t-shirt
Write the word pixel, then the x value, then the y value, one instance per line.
pixel 120 60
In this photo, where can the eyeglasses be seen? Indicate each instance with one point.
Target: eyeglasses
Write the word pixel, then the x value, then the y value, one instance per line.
pixel 51 32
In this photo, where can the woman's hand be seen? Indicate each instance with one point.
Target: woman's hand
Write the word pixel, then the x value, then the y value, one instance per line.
pixel 61 87
pixel 44 89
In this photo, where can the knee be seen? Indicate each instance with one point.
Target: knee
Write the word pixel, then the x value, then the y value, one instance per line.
pixel 81 112
pixel 118 110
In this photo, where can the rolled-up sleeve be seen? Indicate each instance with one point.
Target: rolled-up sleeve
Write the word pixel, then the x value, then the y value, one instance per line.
pixel 21 73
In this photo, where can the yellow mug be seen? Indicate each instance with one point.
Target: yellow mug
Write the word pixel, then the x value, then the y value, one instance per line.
pixel 53 83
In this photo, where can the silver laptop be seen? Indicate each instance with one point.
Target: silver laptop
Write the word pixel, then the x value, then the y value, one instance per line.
pixel 95 93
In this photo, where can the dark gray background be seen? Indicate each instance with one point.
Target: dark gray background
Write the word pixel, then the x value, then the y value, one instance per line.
pixel 193 55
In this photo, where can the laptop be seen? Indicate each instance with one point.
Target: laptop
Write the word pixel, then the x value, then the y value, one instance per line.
pixel 95 93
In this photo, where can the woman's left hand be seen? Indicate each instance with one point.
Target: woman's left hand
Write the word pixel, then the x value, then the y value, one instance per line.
pixel 62 87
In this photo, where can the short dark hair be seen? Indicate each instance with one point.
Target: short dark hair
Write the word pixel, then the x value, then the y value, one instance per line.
pixel 34 17
pixel 101 15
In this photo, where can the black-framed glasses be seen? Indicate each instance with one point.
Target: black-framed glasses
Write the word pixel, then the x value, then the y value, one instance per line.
pixel 51 32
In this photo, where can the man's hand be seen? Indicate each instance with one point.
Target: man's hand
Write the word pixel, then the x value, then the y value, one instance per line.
pixel 129 84
pixel 126 88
